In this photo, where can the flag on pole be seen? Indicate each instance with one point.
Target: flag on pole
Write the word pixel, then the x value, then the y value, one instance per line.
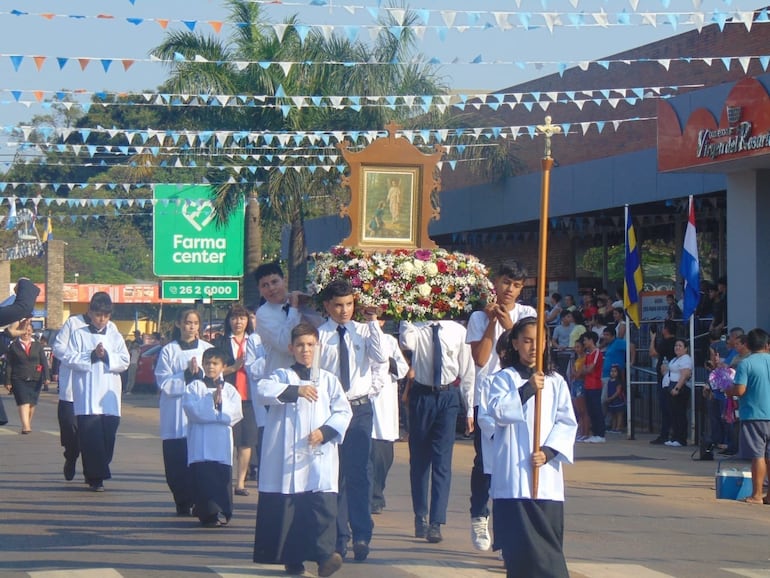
pixel 48 234
pixel 10 221
pixel 689 266
pixel 633 278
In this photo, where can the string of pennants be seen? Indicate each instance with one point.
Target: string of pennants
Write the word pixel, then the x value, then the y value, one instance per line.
pixel 501 20
pixel 39 61
pixel 613 96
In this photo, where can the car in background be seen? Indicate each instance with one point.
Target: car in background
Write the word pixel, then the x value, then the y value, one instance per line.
pixel 145 371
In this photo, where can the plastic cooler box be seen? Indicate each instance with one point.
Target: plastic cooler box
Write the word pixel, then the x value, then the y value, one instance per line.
pixel 732 483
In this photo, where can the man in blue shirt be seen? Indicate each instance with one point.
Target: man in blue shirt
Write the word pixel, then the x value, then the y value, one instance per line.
pixel 614 354
pixel 752 385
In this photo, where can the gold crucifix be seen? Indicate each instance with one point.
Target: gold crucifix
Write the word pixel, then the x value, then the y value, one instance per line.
pixel 548 130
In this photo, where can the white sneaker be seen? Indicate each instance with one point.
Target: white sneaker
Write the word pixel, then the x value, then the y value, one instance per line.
pixel 480 533
pixel 675 444
pixel 668 443
pixel 596 440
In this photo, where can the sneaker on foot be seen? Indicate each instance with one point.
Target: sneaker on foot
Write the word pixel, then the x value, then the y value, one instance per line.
pixel 434 534
pixel 420 527
pixel 596 440
pixel 674 444
pixel 330 565
pixel 480 533
pixel 360 550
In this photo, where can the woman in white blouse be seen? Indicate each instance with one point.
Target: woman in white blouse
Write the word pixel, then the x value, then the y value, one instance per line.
pixel 676 375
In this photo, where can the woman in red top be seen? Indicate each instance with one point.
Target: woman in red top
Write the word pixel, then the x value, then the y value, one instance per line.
pixel 233 342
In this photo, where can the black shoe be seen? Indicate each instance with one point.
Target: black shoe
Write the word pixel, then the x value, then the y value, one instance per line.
pixel 183 510
pixel 295 569
pixel 96 487
pixel 360 550
pixel 658 441
pixel 420 527
pixel 376 510
pixel 330 565
pixel 434 534
pixel 69 469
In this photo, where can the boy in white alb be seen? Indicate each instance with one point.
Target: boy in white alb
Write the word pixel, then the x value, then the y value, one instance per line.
pixel 97 355
pixel 484 329
pixel 298 481
pixel 212 407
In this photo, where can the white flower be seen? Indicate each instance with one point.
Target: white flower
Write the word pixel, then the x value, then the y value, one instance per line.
pixel 431 269
pixel 418 265
pixel 423 289
pixel 407 268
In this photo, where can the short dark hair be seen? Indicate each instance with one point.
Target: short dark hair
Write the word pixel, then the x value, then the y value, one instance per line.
pixel 237 310
pixel 337 288
pixel 590 335
pixel 266 269
pixel 610 330
pixel 556 296
pixel 513 270
pixel 100 302
pixel 214 353
pixel 757 340
pixel 301 329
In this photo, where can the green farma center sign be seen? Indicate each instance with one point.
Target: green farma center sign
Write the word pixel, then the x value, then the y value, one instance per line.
pixel 186 239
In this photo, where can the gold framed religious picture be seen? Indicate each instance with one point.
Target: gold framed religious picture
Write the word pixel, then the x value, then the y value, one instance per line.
pixel 389 209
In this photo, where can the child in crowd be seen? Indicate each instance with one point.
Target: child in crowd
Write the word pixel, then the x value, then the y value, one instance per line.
pixel 616 398
pixel 178 365
pixel 212 407
pixel 298 481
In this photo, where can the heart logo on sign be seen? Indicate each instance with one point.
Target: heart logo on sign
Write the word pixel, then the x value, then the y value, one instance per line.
pixel 198 214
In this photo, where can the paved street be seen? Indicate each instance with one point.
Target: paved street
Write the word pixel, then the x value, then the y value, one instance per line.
pixel 632 510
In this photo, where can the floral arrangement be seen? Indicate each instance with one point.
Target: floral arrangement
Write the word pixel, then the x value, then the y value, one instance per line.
pixel 410 285
pixel 721 378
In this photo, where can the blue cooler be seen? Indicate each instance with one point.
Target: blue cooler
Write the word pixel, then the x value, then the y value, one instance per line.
pixel 733 483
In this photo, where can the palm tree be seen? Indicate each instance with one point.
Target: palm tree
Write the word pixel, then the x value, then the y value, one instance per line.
pixel 293 195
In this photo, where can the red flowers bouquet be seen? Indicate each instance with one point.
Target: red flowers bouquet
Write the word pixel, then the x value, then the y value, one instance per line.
pixel 412 285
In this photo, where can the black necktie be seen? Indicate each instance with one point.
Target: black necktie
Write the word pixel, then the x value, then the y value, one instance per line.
pixel 436 355
pixel 344 359
pixel 286 308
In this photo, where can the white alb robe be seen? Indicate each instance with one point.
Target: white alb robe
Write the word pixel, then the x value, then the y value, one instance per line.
pixel 289 465
pixel 96 386
pixel 210 430
pixel 254 360
pixel 169 375
pixel 514 426
pixel 385 403
pixel 59 348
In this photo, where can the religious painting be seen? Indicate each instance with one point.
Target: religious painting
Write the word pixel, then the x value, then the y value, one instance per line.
pixel 389 210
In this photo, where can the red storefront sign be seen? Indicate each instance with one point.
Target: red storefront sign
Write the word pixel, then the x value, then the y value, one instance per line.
pixel 742 131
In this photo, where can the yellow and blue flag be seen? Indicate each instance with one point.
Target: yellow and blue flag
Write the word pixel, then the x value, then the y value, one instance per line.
pixel 632 286
pixel 48 234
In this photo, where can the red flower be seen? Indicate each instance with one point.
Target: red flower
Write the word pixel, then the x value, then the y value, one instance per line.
pixel 442 266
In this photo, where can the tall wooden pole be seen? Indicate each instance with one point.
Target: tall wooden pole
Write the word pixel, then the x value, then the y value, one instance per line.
pixel 548 130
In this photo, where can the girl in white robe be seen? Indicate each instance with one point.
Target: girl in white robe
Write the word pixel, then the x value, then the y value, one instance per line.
pixel 178 363
pixel 307 418
pixel 530 531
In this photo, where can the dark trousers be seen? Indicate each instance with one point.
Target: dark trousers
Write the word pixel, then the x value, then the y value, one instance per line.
pixel 664 400
pixel 68 429
pixel 178 476
pixel 212 484
pixel 479 480
pixel 432 424
pixel 380 461
pixel 595 413
pixel 354 514
pixel 96 435
pixel 717 425
pixel 679 405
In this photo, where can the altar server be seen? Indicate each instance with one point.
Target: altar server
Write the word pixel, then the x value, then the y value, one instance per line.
pixel 530 531
pixel 178 363
pixel 212 407
pixel 298 481
pixel 385 428
pixel 97 355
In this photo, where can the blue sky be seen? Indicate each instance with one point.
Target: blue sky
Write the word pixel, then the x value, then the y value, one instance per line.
pixel 515 49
